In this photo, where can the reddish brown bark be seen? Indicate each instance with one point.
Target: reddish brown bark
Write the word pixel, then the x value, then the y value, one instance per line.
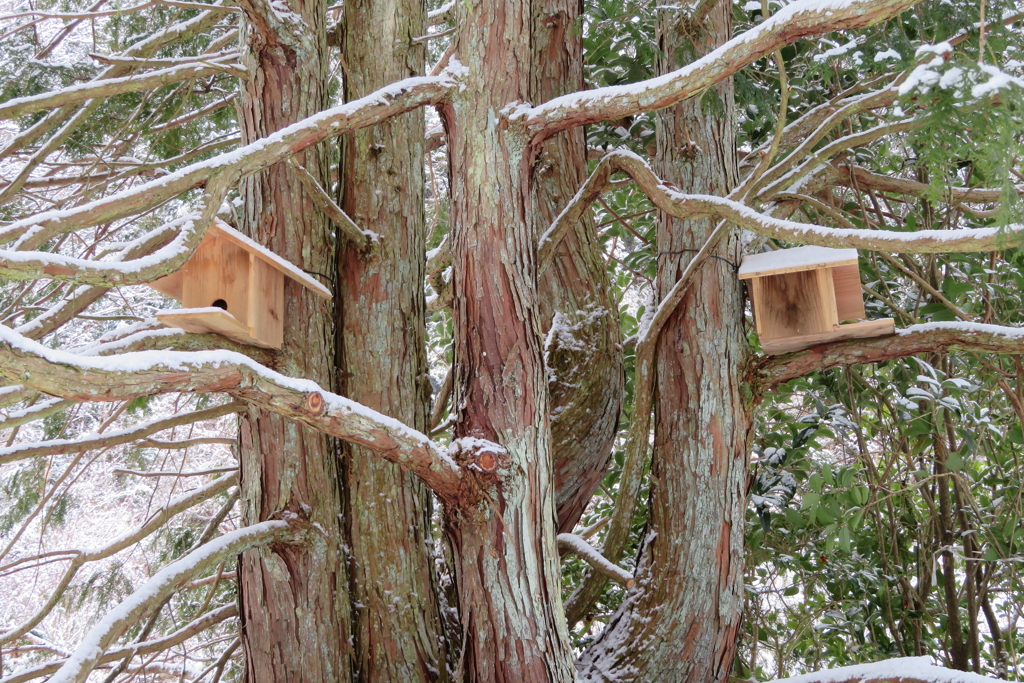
pixel 584 357
pixel 396 618
pixel 503 545
pixel 688 597
pixel 294 600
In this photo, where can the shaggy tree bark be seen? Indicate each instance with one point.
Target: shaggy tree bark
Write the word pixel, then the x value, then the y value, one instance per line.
pixel 295 606
pixel 578 315
pixel 396 620
pixel 503 543
pixel 688 597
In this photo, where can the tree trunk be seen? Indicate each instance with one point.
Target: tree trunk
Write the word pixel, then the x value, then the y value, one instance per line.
pixel 578 314
pixel 503 540
pixel 294 599
pixel 397 625
pixel 685 607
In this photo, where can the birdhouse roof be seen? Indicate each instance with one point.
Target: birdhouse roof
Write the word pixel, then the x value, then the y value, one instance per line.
pixel 225 231
pixel 795 260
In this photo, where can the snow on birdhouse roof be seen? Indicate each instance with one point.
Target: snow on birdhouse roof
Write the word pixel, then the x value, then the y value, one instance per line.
pixel 222 229
pixel 795 260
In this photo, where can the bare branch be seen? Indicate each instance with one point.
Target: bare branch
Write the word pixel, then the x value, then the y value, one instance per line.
pixel 925 338
pixel 800 19
pixel 850 175
pixel 203 473
pixel 362 239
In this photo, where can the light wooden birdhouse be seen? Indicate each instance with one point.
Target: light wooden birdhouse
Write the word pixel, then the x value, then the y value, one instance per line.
pixel 803 296
pixel 234 287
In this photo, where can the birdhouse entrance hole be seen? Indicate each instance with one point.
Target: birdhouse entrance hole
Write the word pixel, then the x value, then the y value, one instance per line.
pixel 801 296
pixel 234 287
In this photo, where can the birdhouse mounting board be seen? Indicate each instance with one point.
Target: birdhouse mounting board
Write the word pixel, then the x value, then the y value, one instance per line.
pixel 234 287
pixel 801 296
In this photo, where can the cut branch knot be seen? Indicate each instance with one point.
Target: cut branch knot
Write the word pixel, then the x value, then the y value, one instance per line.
pixel 315 403
pixel 479 454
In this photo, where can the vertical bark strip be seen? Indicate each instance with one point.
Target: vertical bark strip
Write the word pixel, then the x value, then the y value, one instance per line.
pixel 381 308
pixel 503 543
pixel 578 314
pixel 294 600
pixel 682 616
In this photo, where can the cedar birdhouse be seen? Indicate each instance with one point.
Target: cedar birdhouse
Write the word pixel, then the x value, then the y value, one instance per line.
pixel 234 287
pixel 801 296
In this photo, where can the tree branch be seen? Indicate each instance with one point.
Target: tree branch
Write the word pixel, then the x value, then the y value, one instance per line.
pixel 385 103
pixel 589 554
pixel 165 582
pixel 800 19
pixel 190 230
pixel 362 239
pixel 681 205
pixel 187 631
pixel 76 94
pixel 80 557
pixel 924 338
pixel 115 438
pixel 145 373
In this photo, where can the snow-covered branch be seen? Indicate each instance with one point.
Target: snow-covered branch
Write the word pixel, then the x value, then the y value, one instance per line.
pixel 196 626
pixel 589 554
pixel 899 670
pixel 797 20
pixel 113 438
pixel 165 582
pixel 924 338
pixel 382 104
pixel 188 233
pixel 681 205
pixel 112 86
pixel 145 373
pixel 80 557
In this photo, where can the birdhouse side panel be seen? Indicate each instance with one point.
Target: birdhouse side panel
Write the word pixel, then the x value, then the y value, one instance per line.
pixel 795 304
pixel 266 303
pixel 218 275
pixel 849 298
pixel 170 285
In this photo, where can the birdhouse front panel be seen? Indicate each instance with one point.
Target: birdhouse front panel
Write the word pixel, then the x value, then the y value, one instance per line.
pixel 217 275
pixel 794 304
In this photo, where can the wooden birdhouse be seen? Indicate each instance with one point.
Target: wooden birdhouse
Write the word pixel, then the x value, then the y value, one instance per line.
pixel 804 296
pixel 234 287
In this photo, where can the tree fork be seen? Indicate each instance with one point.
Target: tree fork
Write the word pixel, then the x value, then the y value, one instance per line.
pixel 688 595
